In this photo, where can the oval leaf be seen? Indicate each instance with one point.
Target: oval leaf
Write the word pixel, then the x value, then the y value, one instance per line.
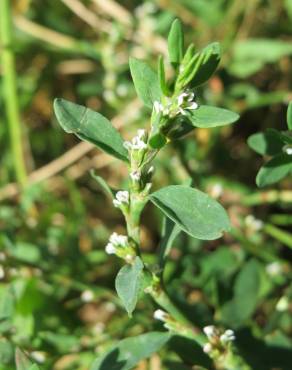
pixel 130 351
pixel 194 211
pixel 90 126
pixel 145 81
pixel 128 283
pixel 274 170
pixel 266 143
pixel 206 116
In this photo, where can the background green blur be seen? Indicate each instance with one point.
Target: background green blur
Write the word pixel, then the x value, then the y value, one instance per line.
pixel 57 297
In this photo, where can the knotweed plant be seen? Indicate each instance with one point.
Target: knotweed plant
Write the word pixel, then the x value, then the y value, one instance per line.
pixel 278 146
pixel 174 110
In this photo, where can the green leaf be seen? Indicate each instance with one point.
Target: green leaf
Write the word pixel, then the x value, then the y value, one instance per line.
pixel 206 116
pixel 176 43
pixel 250 55
pixel 161 77
pixel 194 211
pixel 170 231
pixel 26 252
pixel 34 367
pixel 7 303
pixel 145 81
pixel 22 361
pixel 128 283
pixel 201 67
pixel 289 116
pixel 104 185
pixel 90 126
pixel 130 351
pixel 246 295
pixel 266 143
pixel 274 170
pixel 6 352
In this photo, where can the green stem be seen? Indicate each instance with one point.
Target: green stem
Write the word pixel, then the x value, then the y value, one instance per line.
pixel 10 91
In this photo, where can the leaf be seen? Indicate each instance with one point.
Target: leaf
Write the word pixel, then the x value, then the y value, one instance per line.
pixel 176 43
pixel 206 117
pixel 128 283
pixel 201 67
pixel 7 303
pixel 208 64
pixel 170 231
pixel 130 351
pixel 104 185
pixel 266 143
pixel 194 211
pixel 6 352
pixel 90 126
pixel 289 116
pixel 161 77
pixel 145 81
pixel 250 55
pixel 274 170
pixel 26 252
pixel 22 361
pixel 34 367
pixel 246 295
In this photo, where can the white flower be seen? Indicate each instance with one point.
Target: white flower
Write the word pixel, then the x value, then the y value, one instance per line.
pixel 274 268
pixel 38 356
pixel 138 141
pixel 110 248
pixel 193 106
pixel 151 170
pixel 160 315
pixel 207 348
pixel 287 149
pixel 87 296
pixel 181 98
pixel 253 223
pixel 118 240
pixel 158 107
pixel 135 175
pixel 210 331
pixel 227 337
pixel 283 304
pixel 185 101
pixel 122 197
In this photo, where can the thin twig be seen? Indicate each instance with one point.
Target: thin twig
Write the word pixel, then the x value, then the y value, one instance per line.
pixel 45 34
pixel 114 10
pixel 86 15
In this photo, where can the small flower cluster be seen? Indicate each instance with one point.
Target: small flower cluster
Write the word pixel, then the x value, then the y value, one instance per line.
pixel 253 224
pixel 122 198
pixel 184 102
pixel 217 340
pixel 116 241
pixel 287 149
pixel 138 142
pixel 121 246
pixel 160 315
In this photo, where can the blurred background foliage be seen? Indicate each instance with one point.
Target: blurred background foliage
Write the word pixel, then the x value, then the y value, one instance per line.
pixel 57 298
